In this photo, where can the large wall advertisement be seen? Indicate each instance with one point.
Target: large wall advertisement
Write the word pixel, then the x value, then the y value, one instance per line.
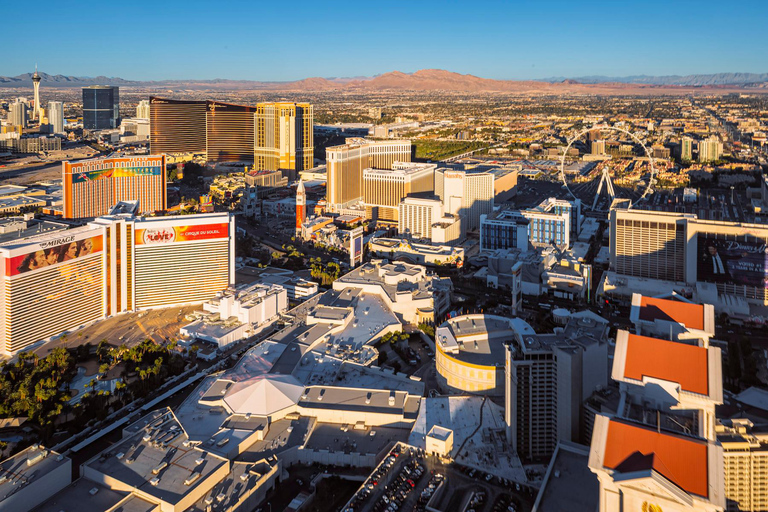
pixel 170 234
pixel 115 172
pixel 743 263
pixel 53 252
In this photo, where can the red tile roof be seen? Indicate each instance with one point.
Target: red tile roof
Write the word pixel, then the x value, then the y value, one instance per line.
pixel 667 360
pixel 681 460
pixel 690 315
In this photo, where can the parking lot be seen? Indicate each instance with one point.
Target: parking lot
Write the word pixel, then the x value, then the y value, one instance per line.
pixel 399 483
pixel 407 479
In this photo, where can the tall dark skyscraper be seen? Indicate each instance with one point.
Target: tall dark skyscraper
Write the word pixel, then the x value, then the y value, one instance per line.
pixel 101 107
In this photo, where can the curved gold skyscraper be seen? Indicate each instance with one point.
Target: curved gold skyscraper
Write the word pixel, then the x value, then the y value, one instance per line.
pixel 176 126
pixel 229 131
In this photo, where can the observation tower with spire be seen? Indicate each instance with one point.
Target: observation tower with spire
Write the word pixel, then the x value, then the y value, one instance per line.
pixel 36 79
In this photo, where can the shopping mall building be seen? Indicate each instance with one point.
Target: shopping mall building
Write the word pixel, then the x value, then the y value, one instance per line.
pixel 55 282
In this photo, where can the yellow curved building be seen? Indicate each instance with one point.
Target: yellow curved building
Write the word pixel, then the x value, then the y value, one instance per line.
pixel 470 355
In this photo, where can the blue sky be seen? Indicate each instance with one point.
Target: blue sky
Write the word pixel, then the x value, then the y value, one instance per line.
pixel 256 40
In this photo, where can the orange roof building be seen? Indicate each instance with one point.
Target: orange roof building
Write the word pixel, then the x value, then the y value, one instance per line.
pixel 670 375
pixel 674 463
pixel 638 464
pixel 674 318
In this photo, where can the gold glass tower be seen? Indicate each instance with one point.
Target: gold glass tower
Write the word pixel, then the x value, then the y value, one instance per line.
pixel 284 138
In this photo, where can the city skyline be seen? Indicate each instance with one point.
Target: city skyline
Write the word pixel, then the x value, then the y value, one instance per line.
pixel 494 40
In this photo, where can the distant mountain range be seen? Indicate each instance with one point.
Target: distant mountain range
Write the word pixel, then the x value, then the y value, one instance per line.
pixel 428 80
pixel 687 80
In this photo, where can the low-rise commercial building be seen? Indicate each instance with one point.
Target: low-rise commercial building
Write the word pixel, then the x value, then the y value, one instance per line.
pixel 401 249
pixel 236 313
pixel 439 441
pixel 287 400
pixel 406 289
pixel 32 476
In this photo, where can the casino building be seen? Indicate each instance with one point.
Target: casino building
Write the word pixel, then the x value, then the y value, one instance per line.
pixel 92 187
pixel 723 262
pixel 272 135
pixel 56 282
pixel 229 132
pixel 49 284
pixel 224 132
pixel 176 126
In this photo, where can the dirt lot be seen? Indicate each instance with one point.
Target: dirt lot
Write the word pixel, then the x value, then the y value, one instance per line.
pixel 29 169
pixel 128 328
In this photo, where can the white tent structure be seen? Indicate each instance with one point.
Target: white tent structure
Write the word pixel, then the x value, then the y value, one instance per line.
pixel 264 395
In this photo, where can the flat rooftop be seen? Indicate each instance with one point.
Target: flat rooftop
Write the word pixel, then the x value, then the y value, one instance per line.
pixel 46 236
pixel 342 437
pixel 19 473
pixel 283 434
pixel 351 374
pixel 440 433
pixel 241 481
pixel 570 484
pixel 359 400
pixel 471 418
pixel 78 496
pixel 140 459
pixel 481 338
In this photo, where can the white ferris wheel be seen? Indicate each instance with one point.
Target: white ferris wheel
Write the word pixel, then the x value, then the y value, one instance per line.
pixel 630 178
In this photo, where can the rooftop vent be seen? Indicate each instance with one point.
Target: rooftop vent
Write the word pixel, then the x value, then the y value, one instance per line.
pixel 36 457
pixel 191 479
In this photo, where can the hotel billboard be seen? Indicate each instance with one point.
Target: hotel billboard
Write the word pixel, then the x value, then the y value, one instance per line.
pixel 92 187
pixel 59 281
pixel 49 284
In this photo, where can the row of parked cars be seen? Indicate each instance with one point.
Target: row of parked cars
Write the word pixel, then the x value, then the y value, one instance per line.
pixel 400 488
pixel 428 491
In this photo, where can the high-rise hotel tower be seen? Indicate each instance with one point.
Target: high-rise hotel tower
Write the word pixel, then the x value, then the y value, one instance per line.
pixel 273 135
pixel 284 137
pixel 347 162
pixel 176 126
pixel 92 187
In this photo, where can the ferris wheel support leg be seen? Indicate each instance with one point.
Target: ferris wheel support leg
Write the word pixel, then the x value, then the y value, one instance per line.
pixel 609 184
pixel 599 190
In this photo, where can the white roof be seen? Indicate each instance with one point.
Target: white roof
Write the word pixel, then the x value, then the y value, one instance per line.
pixel 754 397
pixel 264 395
